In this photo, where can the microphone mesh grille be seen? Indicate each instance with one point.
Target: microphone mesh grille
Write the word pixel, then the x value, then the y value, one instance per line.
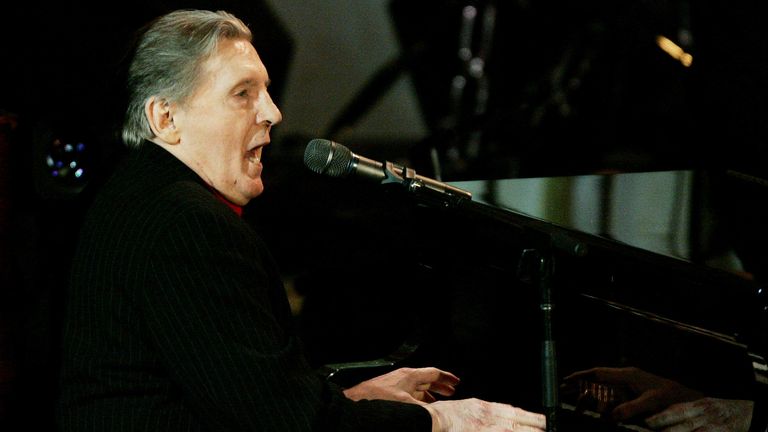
pixel 327 157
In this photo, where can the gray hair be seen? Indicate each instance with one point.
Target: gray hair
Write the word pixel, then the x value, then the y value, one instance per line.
pixel 168 59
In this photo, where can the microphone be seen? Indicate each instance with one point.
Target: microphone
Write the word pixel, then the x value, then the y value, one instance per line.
pixel 333 159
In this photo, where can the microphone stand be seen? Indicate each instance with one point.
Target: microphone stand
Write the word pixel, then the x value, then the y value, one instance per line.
pixel 537 268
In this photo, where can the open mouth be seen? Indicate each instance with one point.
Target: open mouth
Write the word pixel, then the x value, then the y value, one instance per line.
pixel 254 155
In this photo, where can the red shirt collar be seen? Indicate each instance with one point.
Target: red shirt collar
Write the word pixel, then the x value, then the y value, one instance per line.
pixel 235 208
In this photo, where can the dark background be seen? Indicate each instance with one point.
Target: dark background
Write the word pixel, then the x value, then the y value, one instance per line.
pixel 573 88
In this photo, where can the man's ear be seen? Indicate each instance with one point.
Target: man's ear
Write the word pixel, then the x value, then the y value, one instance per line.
pixel 160 112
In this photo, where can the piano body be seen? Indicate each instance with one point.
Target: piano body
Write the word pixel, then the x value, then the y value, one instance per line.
pixel 375 266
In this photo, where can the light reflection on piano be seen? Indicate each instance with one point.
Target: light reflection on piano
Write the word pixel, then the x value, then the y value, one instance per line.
pixel 648 210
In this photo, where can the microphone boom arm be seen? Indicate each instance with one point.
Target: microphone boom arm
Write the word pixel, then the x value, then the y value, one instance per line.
pixel 413 182
pixel 335 160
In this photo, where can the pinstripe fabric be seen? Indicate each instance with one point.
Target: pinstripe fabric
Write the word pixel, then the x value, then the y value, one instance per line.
pixel 177 321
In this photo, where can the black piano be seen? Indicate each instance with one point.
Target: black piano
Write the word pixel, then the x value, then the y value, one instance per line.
pixel 629 263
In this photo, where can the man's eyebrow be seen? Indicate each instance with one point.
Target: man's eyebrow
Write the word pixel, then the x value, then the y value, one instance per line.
pixel 251 82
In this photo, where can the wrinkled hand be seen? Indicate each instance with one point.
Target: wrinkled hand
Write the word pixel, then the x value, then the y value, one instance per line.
pixel 704 415
pixel 646 393
pixel 406 385
pixel 478 416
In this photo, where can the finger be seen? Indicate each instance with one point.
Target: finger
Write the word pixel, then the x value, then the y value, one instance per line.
pixel 527 418
pixel 423 387
pixel 514 427
pixel 582 374
pixel 570 387
pixel 500 428
pixel 436 388
pixel 508 427
pixel 675 414
pixel 497 429
pixel 433 379
pixel 644 404
pixel 608 375
pixel 598 374
pixel 432 374
pixel 442 389
pixel 510 416
pixel 426 397
pixel 416 398
pixel 526 428
pixel 689 426
pixel 584 402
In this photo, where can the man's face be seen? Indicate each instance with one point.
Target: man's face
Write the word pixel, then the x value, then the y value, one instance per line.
pixel 225 123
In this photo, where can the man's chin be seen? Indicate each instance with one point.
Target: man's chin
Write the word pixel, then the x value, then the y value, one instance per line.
pixel 255 188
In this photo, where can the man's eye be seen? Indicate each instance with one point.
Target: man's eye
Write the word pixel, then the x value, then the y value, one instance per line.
pixel 243 93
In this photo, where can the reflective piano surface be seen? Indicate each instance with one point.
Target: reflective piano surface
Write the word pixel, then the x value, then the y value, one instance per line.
pixel 650 210
pixel 640 276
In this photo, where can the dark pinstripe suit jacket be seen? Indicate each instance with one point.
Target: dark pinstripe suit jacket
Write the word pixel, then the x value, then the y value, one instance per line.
pixel 177 320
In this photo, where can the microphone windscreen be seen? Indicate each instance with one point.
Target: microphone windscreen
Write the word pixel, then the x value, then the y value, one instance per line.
pixel 327 157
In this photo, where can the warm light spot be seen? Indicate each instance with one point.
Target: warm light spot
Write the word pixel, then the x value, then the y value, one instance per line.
pixel 674 51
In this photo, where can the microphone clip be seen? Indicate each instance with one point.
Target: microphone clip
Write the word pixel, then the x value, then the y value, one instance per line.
pixel 391 173
pixel 394 173
pixel 416 185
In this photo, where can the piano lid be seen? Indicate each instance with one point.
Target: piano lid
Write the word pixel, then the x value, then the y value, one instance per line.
pixel 648 210
pixel 708 217
pixel 698 232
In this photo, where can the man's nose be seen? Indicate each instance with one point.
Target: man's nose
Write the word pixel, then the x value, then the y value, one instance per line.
pixel 268 112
